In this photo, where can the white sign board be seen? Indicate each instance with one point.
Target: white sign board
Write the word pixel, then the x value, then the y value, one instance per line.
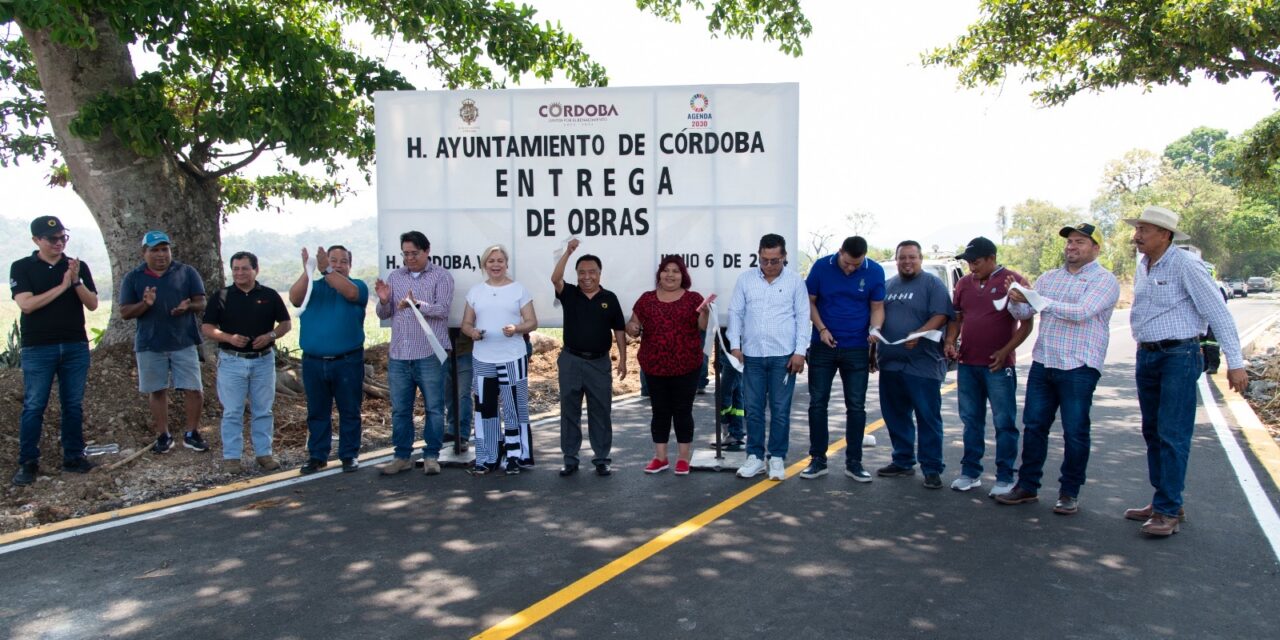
pixel 633 173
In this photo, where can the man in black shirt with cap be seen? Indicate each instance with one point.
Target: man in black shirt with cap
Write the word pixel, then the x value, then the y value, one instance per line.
pixel 592 318
pixel 52 290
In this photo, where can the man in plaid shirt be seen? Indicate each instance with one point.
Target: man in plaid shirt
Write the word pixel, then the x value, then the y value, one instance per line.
pixel 425 288
pixel 1066 364
pixel 1174 297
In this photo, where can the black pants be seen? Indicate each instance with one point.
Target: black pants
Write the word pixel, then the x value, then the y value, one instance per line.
pixel 1212 353
pixel 672 398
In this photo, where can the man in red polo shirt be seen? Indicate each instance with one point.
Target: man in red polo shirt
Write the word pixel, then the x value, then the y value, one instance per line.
pixel 986 373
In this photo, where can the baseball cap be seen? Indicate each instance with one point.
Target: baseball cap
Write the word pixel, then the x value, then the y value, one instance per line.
pixel 1085 228
pixel 46 226
pixel 154 238
pixel 978 247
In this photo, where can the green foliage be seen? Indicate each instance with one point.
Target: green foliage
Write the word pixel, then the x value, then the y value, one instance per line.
pixel 1064 47
pixel 782 20
pixel 1198 147
pixel 12 356
pixel 1032 243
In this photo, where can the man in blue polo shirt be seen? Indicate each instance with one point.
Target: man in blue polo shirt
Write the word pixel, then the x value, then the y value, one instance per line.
pixel 846 299
pixel 332 341
pixel 166 297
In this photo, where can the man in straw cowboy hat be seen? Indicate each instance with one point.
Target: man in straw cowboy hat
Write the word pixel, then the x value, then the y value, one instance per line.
pixel 1174 297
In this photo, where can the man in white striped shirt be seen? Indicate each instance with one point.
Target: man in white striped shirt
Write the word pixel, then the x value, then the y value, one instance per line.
pixel 1174 297
pixel 769 325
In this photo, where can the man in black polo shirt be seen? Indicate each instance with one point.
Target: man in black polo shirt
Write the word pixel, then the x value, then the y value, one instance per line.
pixel 592 316
pixel 52 291
pixel 245 319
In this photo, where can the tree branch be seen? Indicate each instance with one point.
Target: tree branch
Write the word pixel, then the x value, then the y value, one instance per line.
pixel 236 166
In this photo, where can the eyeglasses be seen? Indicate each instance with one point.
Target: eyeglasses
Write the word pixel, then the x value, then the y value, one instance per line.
pixel 771 262
pixel 62 239
pixel 411 254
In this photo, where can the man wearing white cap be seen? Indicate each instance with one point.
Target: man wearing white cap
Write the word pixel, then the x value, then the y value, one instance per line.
pixel 1174 297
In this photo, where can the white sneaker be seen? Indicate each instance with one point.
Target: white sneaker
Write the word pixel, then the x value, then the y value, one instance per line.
pixel 777 469
pixel 751 468
pixel 965 483
pixel 1000 489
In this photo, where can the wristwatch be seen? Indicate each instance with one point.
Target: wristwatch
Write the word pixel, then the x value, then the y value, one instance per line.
pixel 272 334
pixel 328 270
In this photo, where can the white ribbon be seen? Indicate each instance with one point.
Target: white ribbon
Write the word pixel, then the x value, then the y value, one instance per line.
pixel 437 349
pixel 934 335
pixel 311 267
pixel 555 259
pixel 1037 301
pixel 713 335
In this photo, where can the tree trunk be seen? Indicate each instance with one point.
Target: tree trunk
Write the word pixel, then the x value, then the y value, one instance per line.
pixel 128 194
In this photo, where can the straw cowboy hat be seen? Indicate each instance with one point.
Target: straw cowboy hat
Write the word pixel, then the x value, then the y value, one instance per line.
pixel 1160 217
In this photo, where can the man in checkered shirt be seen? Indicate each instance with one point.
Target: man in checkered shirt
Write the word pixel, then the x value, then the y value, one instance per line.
pixel 1174 298
pixel 1066 364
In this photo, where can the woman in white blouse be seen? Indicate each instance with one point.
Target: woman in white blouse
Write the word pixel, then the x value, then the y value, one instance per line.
pixel 498 314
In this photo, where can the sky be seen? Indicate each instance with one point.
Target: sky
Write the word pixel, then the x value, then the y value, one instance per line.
pixel 878 132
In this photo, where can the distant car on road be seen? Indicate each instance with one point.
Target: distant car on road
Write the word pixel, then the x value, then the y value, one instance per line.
pixel 1259 284
pixel 1239 289
pixel 1224 289
pixel 949 271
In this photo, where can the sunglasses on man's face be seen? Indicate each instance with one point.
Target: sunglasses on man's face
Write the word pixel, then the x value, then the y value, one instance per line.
pixel 62 239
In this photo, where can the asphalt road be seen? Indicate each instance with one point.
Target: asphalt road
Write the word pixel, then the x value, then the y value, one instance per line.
pixel 359 556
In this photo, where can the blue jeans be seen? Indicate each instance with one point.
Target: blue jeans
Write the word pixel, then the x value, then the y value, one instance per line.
pixel 464 396
pixel 69 361
pixel 766 380
pixel 824 362
pixel 903 396
pixel 406 378
pixel 732 409
pixel 1048 391
pixel 1167 398
pixel 240 378
pixel 978 386
pixel 327 382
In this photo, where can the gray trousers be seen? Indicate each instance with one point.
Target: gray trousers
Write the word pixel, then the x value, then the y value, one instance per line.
pixel 593 378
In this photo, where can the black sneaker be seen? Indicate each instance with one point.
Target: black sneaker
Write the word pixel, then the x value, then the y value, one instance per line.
pixel 894 471
pixel 603 469
pixel 816 469
pixel 350 465
pixel 193 441
pixel 513 467
pixel 26 474
pixel 313 465
pixel 854 470
pixel 164 442
pixel 78 465
pixel 568 470
pixel 480 469
pixel 525 463
pixel 734 444
pixel 932 481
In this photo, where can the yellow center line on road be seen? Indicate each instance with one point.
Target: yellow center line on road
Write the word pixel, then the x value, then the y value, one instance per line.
pixel 588 583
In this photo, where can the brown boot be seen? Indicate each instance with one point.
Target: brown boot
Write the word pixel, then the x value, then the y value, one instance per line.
pixel 1160 525
pixel 1145 513
pixel 267 463
pixel 232 466
pixel 396 466
pixel 431 467
pixel 1017 496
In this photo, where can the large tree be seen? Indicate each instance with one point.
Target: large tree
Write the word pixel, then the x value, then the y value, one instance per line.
pixel 242 81
pixel 1064 47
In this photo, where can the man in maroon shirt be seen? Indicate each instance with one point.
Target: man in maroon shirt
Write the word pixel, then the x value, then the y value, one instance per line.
pixel 988 338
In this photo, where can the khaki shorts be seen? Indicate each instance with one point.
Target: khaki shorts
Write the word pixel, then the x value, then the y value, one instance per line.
pixel 156 369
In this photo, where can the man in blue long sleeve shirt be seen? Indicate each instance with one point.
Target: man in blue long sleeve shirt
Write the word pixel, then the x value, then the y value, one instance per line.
pixel 1174 297
pixel 769 325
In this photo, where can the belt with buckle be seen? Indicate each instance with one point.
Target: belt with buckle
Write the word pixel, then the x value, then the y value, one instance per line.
pixel 1161 345
pixel 340 356
pixel 247 355
pixel 587 355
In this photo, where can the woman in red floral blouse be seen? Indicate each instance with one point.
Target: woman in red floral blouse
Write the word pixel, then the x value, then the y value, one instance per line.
pixel 671 317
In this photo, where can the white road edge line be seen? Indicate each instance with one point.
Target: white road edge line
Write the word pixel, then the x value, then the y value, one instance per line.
pixel 151 515
pixel 1263 510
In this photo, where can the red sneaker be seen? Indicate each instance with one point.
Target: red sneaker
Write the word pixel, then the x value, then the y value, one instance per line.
pixel 658 464
pixel 682 467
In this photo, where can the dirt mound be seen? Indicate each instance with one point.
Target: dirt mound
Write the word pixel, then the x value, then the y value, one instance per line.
pixel 115 413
